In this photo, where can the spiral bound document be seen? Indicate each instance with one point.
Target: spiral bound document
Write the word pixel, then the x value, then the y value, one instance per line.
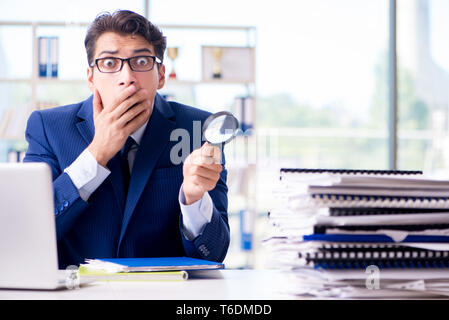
pixel 365 183
pixel 351 171
pixel 360 211
pixel 384 220
pixel 378 191
pixel 366 228
pixel 357 201
pixel 383 256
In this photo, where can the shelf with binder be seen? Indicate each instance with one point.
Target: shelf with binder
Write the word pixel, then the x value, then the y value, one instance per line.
pixel 51 45
pixel 48 56
pixel 69 84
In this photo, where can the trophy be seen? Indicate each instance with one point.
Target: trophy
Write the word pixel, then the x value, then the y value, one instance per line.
pixel 172 54
pixel 217 53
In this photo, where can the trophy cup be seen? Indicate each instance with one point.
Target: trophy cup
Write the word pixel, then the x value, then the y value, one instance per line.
pixel 217 53
pixel 172 53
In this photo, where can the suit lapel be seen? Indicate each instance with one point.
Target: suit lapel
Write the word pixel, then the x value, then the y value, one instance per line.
pixel 86 124
pixel 154 141
pixel 86 129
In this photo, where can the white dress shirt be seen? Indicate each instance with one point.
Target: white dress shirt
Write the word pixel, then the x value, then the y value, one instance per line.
pixel 87 175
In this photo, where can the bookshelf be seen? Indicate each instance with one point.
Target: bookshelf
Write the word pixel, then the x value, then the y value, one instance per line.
pixel 70 87
pixel 38 28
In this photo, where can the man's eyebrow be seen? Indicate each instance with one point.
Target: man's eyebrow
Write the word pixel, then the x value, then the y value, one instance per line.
pixel 143 50
pixel 116 51
pixel 108 52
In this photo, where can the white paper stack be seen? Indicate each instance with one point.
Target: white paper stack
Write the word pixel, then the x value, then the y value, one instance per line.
pixel 353 233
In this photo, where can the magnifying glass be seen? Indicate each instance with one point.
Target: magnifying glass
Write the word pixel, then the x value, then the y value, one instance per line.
pixel 220 128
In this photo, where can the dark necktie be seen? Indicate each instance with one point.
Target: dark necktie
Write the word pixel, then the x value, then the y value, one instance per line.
pixel 130 143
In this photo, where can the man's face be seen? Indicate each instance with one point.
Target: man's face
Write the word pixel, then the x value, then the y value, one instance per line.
pixel 109 85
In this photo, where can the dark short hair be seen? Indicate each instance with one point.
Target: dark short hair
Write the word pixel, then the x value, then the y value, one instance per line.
pixel 124 22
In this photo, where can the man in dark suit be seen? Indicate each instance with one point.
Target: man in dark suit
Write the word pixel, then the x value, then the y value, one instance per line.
pixel 118 189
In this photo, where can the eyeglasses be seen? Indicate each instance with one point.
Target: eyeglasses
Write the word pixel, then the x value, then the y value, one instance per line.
pixel 138 63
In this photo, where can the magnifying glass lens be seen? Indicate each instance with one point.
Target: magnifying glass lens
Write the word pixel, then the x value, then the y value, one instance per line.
pixel 220 128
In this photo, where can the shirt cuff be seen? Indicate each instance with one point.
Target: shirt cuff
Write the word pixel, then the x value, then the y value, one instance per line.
pixel 196 215
pixel 86 174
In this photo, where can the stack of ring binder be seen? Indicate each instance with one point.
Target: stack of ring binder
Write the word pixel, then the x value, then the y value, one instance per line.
pixel 347 221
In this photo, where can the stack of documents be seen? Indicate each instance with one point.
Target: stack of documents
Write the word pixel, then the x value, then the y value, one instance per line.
pixel 353 233
pixel 132 269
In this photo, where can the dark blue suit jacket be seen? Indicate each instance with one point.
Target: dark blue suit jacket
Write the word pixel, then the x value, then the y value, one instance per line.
pixel 147 223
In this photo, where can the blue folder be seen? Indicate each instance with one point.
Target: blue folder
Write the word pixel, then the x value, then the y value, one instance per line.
pixel 163 264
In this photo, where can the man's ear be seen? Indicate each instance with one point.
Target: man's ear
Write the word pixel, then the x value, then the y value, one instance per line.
pixel 161 73
pixel 90 79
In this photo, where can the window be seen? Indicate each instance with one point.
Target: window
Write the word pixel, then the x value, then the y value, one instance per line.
pixel 423 82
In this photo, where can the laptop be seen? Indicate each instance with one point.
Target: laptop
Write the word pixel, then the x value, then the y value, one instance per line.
pixel 28 249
